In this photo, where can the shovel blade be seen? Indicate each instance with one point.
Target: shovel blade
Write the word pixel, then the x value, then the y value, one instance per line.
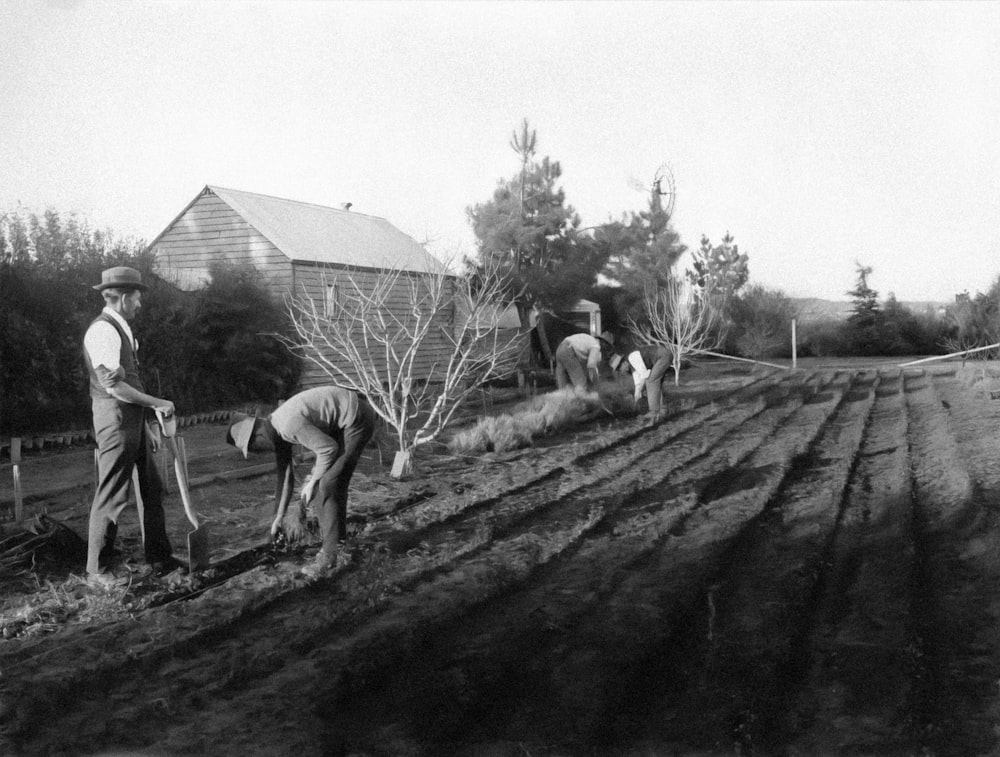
pixel 197 542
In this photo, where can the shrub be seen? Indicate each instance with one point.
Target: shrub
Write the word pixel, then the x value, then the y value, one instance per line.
pixel 201 350
pixel 761 323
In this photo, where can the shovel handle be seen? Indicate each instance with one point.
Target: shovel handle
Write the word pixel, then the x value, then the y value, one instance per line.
pixel 180 468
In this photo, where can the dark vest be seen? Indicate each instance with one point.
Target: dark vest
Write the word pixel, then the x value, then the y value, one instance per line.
pixel 651 353
pixel 127 359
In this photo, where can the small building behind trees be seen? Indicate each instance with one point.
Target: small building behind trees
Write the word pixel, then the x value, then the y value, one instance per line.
pixel 300 249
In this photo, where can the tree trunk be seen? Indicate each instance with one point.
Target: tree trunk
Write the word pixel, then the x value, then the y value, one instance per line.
pixel 402 464
pixel 543 340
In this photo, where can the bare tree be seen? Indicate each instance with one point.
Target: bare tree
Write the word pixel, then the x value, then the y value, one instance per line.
pixel 417 345
pixel 683 317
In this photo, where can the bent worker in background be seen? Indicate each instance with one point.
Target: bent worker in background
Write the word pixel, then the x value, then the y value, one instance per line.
pixel 335 424
pixel 649 365
pixel 578 358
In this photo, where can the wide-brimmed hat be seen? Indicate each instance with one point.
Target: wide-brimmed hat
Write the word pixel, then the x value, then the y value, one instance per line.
pixel 241 432
pixel 121 277
pixel 608 337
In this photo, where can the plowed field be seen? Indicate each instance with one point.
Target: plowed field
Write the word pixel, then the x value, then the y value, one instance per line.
pixel 794 563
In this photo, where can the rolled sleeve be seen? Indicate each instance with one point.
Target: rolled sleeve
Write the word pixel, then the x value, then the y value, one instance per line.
pixel 322 445
pixel 103 345
pixel 594 358
pixel 109 379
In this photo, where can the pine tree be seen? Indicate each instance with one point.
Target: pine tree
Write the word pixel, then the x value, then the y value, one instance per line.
pixel 642 250
pixel 533 236
pixel 865 311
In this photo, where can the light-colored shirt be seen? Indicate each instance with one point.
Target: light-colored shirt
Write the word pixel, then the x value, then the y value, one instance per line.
pixel 104 345
pixel 309 417
pixel 639 372
pixel 585 347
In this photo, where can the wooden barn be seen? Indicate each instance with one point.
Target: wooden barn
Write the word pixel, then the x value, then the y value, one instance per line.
pixel 298 248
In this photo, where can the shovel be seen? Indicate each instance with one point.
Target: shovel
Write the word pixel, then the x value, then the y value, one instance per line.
pixel 197 540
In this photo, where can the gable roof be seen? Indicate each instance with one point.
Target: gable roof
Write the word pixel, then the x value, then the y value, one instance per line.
pixel 318 234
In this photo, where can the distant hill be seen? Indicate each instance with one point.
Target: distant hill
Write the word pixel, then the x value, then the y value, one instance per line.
pixel 815 309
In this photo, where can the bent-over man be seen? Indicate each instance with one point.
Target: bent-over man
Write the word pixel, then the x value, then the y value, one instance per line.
pixel 578 357
pixel 335 424
pixel 649 365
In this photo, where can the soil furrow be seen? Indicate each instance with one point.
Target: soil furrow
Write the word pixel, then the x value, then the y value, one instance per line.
pixel 863 620
pixel 512 677
pixel 325 624
pixel 572 594
pixel 718 683
pixel 577 466
pixel 562 458
pixel 799 563
pixel 955 674
pixel 975 413
pixel 328 622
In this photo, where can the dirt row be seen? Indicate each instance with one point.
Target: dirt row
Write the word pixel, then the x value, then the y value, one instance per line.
pixel 800 564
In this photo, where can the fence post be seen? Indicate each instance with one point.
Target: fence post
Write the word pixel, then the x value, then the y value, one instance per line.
pixel 15 459
pixel 794 347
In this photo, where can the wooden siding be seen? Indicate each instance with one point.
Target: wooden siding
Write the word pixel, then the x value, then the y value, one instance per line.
pixel 209 232
pixel 310 280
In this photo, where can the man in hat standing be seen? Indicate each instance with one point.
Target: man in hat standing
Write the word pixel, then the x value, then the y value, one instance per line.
pixel 335 424
pixel 120 405
pixel 577 359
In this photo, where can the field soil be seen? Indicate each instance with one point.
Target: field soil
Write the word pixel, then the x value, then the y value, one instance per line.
pixel 791 563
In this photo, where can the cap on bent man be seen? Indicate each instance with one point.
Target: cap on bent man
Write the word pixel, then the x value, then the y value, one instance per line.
pixel 608 337
pixel 121 277
pixel 241 432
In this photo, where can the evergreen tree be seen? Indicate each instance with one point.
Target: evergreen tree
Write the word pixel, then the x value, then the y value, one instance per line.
pixel 642 251
pixel 529 233
pixel 721 270
pixel 5 258
pixel 865 311
pixel 19 249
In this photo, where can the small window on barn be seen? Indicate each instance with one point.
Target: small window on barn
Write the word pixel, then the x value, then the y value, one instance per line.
pixel 330 301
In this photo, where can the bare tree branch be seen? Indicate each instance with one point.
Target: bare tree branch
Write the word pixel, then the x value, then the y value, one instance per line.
pixel 683 317
pixel 361 341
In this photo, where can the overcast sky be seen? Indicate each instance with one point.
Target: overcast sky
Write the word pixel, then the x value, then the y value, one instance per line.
pixel 818 134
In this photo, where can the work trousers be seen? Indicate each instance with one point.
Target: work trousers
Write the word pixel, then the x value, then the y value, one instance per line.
pixel 654 383
pixel 123 444
pixel 571 370
pixel 331 489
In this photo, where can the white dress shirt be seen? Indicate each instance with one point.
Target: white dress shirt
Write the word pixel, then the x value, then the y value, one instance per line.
pixel 103 344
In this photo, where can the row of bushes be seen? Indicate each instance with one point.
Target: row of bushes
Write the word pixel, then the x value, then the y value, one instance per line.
pixel 913 335
pixel 757 325
pixel 202 350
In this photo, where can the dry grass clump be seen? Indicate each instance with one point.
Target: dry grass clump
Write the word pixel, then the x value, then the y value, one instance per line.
pixel 43 539
pixel 545 413
pixel 39 595
pixel 60 604
pixel 498 433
